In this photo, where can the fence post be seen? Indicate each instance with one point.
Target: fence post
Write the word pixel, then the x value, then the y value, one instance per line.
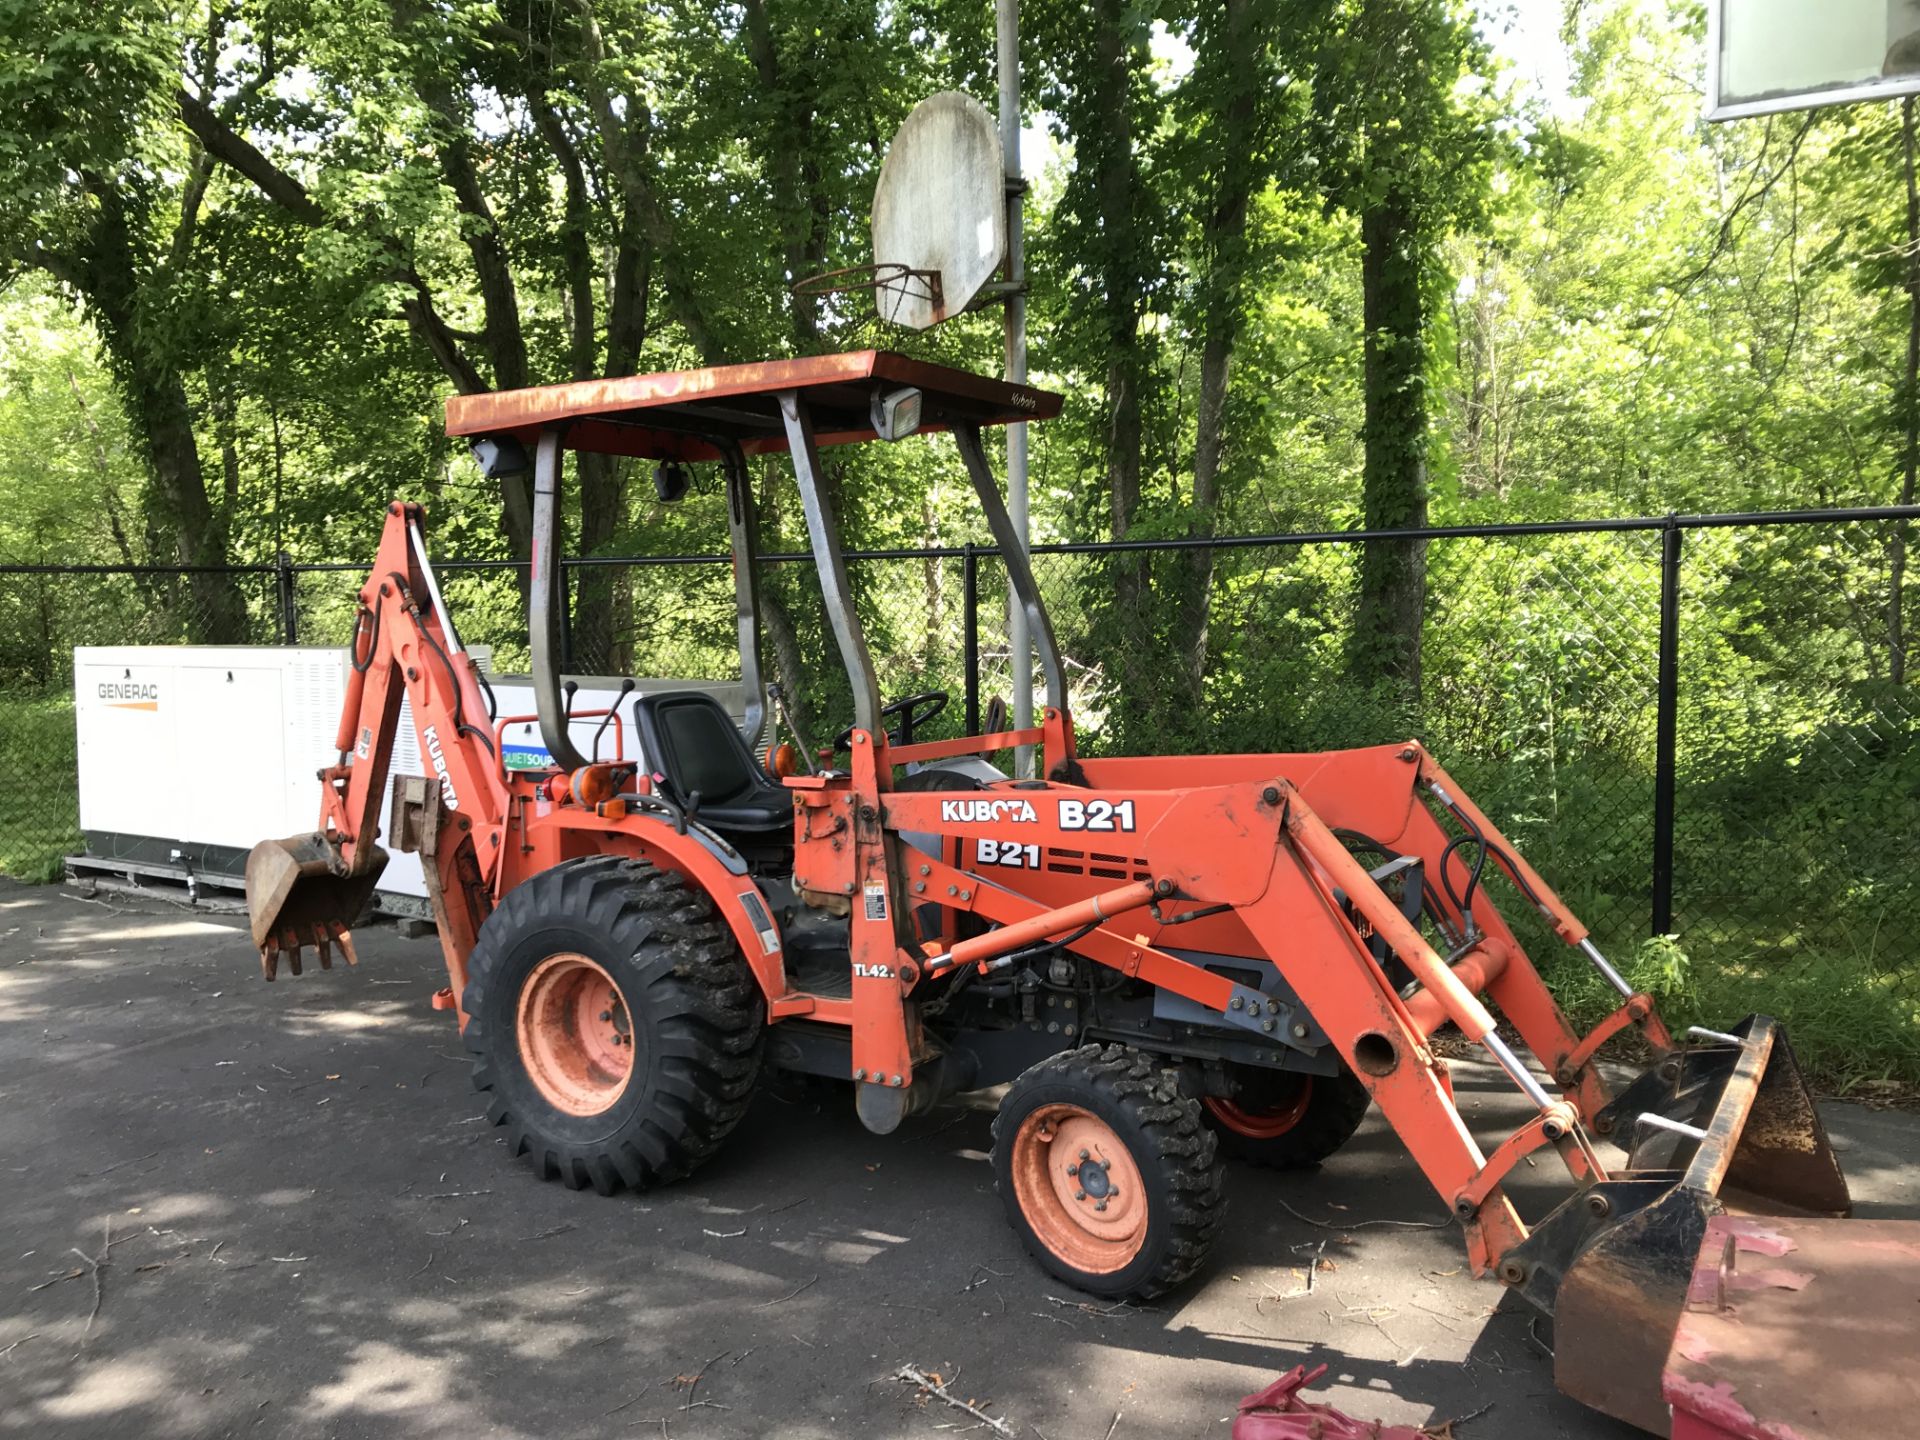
pixel 1666 719
pixel 289 612
pixel 970 611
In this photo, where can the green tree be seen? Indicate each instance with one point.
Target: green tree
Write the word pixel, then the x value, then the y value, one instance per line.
pixel 96 195
pixel 1404 116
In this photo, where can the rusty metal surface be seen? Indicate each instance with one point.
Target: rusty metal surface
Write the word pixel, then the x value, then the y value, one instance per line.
pixel 1800 1329
pixel 297 897
pixel 1618 1304
pixel 676 414
pixel 1634 1241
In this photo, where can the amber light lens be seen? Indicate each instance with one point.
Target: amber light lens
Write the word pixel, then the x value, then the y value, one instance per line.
pixel 783 760
pixel 594 785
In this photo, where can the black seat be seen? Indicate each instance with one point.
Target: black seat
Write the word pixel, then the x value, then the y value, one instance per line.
pixel 691 741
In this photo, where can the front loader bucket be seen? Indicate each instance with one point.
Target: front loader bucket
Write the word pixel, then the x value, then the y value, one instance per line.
pixel 1733 1127
pixel 297 895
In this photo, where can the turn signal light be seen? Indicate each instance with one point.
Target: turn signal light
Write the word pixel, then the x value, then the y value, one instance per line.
pixel 593 785
pixel 783 760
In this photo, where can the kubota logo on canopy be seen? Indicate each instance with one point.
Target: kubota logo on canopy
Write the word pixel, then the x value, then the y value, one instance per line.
pixel 988 811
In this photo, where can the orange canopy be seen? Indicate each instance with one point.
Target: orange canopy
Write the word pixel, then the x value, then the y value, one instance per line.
pixel 676 414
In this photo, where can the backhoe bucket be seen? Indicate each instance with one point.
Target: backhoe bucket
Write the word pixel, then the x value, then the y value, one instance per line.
pixel 298 894
pixel 1723 1126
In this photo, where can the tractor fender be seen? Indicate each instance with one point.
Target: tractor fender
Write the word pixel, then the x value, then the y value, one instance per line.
pixel 706 863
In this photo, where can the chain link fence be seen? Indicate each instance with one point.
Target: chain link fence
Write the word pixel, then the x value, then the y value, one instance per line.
pixel 1701 728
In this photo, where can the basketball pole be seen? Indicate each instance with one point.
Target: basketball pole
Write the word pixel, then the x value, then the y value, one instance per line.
pixel 1019 644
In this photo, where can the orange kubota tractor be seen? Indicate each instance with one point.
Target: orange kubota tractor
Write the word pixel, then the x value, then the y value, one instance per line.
pixel 1169 957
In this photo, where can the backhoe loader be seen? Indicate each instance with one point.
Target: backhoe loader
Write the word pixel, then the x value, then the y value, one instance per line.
pixel 1163 958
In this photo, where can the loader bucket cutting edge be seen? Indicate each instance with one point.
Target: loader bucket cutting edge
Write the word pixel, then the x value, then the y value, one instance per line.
pixel 296 897
pixel 1613 1263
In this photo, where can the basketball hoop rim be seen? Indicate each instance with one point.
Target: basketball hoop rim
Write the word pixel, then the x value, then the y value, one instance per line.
pixel 872 276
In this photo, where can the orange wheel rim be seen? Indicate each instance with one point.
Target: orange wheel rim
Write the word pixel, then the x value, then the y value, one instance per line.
pixel 1263 1124
pixel 1079 1189
pixel 575 1036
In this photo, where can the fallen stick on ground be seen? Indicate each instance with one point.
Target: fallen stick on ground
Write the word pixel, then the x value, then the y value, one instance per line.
pixel 939 1392
pixel 95 1264
pixel 789 1295
pixel 694 1383
pixel 1362 1224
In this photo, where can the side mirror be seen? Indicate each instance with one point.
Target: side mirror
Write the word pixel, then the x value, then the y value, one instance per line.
pixel 670 481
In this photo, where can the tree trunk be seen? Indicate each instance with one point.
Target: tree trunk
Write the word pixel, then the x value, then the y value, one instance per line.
pixel 1910 409
pixel 1393 581
pixel 601 494
pixel 155 398
pixel 799 202
pixel 1223 292
pixel 1116 185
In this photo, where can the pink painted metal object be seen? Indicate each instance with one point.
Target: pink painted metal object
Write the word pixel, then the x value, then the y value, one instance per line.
pixel 1278 1413
pixel 1799 1329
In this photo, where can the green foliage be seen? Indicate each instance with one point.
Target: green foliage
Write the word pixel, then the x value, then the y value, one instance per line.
pixel 39 822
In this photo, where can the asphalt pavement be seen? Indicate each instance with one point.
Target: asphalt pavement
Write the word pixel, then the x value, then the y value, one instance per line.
pixel 229 1208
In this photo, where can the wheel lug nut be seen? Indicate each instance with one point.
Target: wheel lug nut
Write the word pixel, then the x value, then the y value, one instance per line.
pixel 1099 1204
pixel 1084 1155
pixel 1079 1194
pixel 606 1014
pixel 1073 1169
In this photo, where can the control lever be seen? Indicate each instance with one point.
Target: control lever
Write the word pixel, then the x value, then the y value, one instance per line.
pixel 626 685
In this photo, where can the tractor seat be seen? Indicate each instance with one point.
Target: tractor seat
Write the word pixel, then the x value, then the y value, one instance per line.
pixel 687 737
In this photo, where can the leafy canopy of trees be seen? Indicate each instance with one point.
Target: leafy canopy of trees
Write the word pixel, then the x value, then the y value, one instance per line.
pixel 1310 264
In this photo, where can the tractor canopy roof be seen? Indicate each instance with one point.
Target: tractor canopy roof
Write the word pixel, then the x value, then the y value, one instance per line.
pixel 676 414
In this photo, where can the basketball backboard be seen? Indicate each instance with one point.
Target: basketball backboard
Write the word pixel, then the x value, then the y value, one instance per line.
pixel 939 212
pixel 1765 56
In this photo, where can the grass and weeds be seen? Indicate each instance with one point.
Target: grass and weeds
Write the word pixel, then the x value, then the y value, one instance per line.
pixel 1854 1028
pixel 39 798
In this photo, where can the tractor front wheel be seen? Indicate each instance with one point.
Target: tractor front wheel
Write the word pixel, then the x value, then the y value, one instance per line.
pixel 1107 1173
pixel 1284 1119
pixel 617 1030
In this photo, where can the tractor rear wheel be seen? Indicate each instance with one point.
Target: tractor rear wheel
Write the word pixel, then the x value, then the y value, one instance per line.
pixel 617 1030
pixel 1107 1173
pixel 1283 1118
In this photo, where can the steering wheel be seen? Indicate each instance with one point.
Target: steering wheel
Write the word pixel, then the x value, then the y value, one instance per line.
pixel 914 711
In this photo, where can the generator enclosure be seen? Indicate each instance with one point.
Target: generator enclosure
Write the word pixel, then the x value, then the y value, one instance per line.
pixel 162 729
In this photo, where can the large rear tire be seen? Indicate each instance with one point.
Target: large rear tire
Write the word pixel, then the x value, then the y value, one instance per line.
pixel 1284 1119
pixel 1107 1173
pixel 617 1030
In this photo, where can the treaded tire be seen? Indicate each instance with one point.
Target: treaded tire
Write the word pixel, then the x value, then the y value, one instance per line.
pixel 1164 1138
pixel 696 1015
pixel 1334 1110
